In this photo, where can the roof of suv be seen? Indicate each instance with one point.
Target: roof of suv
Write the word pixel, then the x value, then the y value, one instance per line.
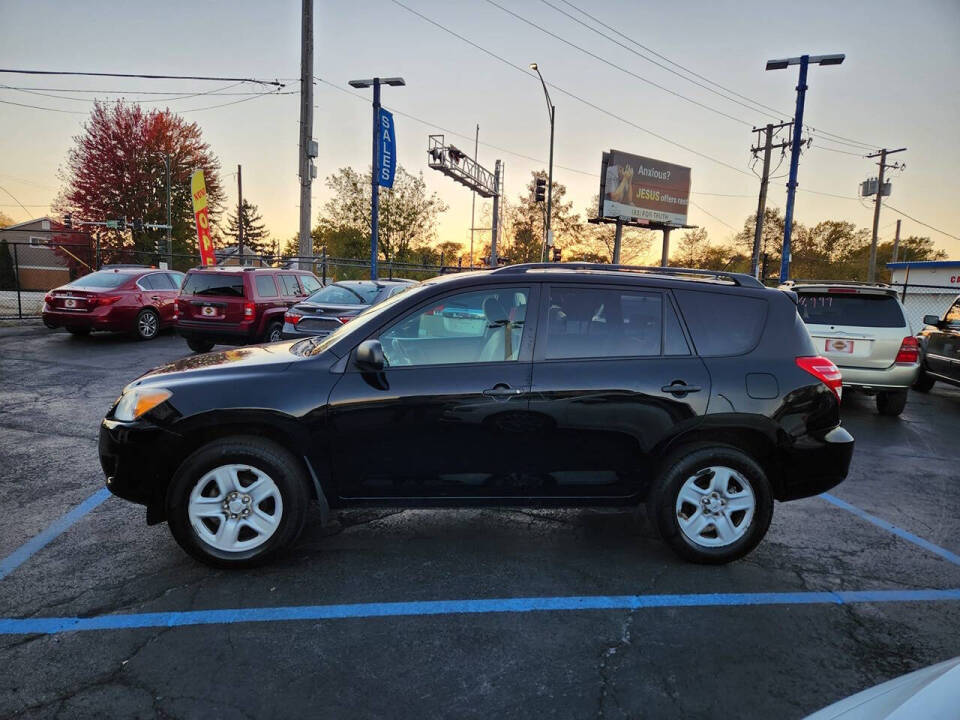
pixel 239 268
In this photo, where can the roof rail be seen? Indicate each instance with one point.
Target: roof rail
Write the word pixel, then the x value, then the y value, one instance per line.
pixel 835 282
pixel 741 279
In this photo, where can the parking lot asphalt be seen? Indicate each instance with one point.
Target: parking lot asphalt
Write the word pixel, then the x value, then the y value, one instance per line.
pixel 455 613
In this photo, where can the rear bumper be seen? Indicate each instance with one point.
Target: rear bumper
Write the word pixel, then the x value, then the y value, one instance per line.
pixel 292 332
pixel 107 318
pixel 136 460
pixel 893 377
pixel 814 464
pixel 221 333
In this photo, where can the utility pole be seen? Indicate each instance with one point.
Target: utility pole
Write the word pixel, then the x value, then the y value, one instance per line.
pixel 240 214
pixel 872 269
pixel 764 181
pixel 307 146
pixel 169 216
pixel 494 218
pixel 473 202
pixel 896 242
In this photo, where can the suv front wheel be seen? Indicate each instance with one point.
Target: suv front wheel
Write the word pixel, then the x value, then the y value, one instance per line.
pixel 711 503
pixel 236 502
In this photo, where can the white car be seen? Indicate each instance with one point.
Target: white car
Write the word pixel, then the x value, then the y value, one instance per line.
pixel 863 329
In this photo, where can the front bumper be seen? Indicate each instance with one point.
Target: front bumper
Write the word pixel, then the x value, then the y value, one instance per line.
pixel 814 464
pixel 138 460
pixel 894 377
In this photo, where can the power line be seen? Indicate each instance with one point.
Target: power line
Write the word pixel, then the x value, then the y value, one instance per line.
pixel 572 95
pixel 37 107
pixel 707 212
pixel 188 110
pixel 138 92
pixel 920 222
pixel 619 67
pixel 16 201
pixel 32 91
pixel 147 77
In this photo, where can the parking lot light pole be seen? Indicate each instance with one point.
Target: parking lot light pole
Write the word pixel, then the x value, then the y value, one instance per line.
pixel 804 61
pixel 375 83
pixel 552 111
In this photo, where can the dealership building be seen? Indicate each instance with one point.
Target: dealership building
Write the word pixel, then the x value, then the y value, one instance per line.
pixel 927 288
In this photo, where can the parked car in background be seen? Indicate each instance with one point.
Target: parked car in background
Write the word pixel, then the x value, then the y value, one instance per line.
pixel 940 349
pixel 238 305
pixel 697 393
pixel 120 298
pixel 862 328
pixel 332 306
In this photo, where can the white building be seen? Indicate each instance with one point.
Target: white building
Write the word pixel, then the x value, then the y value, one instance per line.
pixel 927 288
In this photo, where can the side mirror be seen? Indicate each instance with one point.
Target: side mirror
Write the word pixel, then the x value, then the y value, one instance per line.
pixel 931 320
pixel 370 356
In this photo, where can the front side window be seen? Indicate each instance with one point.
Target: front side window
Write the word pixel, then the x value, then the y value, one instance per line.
pixel 176 279
pixel 599 323
pixel 472 327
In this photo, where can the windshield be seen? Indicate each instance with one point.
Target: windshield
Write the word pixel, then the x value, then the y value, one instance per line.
pixel 315 346
pixel 340 294
pixel 101 279
pixel 858 310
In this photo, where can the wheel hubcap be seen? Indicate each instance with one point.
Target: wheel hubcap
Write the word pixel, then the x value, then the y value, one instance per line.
pixel 148 324
pixel 234 508
pixel 275 335
pixel 715 507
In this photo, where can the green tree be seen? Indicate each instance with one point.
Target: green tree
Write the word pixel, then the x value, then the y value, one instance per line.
pixel 596 241
pixel 695 251
pixel 8 276
pixel 408 212
pixel 255 235
pixel 523 239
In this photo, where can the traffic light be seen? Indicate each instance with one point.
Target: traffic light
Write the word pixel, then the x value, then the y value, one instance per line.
pixel 540 192
pixel 68 221
pixel 159 246
pixel 138 225
pixel 557 252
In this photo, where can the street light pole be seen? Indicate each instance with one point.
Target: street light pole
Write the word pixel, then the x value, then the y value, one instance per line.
pixel 166 159
pixel 552 111
pixel 374 180
pixel 804 61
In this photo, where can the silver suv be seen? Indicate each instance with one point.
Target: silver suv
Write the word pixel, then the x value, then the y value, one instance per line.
pixel 862 328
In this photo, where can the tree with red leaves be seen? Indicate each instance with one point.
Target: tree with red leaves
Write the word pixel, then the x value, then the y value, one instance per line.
pixel 116 169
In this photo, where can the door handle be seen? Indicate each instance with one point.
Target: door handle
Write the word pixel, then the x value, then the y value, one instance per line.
pixel 680 388
pixel 502 390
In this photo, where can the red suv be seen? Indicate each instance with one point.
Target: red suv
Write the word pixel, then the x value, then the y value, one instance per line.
pixel 122 298
pixel 238 305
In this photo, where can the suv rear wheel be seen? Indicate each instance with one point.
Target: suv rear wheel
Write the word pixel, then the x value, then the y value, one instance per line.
pixel 711 503
pixel 891 402
pixel 199 345
pixel 237 501
pixel 274 332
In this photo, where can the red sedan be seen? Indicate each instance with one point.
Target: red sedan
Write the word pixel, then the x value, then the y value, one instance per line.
pixel 121 299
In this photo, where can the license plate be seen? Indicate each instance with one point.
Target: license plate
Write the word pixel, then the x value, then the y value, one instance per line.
pixel 839 346
pixel 70 303
pixel 208 311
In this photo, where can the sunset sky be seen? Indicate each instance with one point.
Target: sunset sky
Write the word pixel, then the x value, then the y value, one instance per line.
pixel 897 88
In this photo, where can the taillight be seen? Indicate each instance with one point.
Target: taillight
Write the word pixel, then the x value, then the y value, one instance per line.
pixel 106 299
pixel 292 317
pixel 249 310
pixel 345 318
pixel 909 352
pixel 824 371
pixel 434 310
pixel 48 298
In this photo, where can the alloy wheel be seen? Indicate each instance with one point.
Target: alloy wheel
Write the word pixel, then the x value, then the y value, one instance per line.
pixel 234 508
pixel 147 324
pixel 715 507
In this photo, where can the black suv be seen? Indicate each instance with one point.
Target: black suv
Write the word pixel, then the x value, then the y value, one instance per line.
pixel 697 393
pixel 940 349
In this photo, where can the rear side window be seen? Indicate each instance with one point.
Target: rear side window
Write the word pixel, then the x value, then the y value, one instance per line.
pixel 266 287
pixel 213 284
pixel 176 279
pixel 850 309
pixel 290 285
pixel 721 323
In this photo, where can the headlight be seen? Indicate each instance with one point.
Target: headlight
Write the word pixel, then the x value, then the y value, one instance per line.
pixel 138 401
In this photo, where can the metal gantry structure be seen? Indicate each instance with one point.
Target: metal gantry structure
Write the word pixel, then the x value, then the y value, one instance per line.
pixel 458 165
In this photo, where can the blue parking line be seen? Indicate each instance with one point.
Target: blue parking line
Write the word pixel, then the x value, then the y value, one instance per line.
pixel 53 625
pixel 38 542
pixel 899 532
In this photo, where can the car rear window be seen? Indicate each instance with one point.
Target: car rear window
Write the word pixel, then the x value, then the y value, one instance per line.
pixel 858 310
pixel 336 294
pixel 722 323
pixel 101 279
pixel 219 284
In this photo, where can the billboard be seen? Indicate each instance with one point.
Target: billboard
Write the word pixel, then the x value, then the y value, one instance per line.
pixel 198 188
pixel 640 188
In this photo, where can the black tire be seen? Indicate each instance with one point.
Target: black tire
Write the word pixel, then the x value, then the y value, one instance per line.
pixel 274 332
pixel 891 402
pixel 264 455
pixel 924 383
pixel 78 331
pixel 199 345
pixel 693 460
pixel 147 325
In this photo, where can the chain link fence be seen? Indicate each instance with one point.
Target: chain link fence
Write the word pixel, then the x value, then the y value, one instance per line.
pixel 920 300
